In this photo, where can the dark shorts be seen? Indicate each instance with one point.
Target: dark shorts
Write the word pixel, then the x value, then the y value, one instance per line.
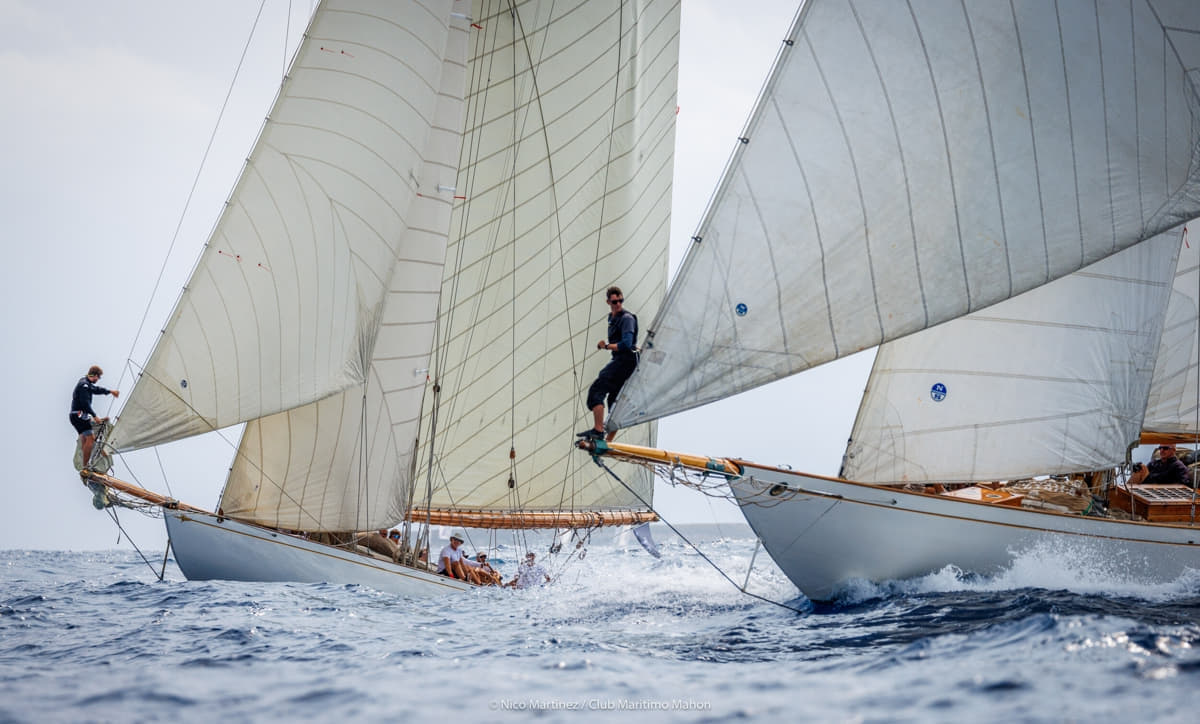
pixel 610 381
pixel 82 426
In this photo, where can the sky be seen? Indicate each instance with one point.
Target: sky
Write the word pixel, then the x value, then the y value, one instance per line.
pixel 111 185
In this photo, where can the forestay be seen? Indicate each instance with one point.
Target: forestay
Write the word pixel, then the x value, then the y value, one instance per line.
pixel 566 189
pixel 1049 382
pixel 909 163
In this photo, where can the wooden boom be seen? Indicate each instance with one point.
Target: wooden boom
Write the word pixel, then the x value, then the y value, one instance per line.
pixel 529 520
pixel 638 453
pixel 137 492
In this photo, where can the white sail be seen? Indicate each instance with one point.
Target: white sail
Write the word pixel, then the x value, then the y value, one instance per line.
pixel 1052 381
pixel 345 462
pixel 558 186
pixel 909 163
pixel 1172 407
pixel 283 307
pixel 580 200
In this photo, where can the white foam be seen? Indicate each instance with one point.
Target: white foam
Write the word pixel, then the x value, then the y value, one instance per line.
pixel 1076 568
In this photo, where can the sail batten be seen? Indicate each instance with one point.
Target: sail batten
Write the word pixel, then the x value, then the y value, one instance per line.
pixel 909 163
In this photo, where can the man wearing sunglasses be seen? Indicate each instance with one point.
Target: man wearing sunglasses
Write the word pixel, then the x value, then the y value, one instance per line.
pixel 622 342
pixel 1166 470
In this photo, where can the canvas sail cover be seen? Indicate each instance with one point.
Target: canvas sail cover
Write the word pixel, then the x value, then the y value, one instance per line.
pixel 1172 407
pixel 909 163
pixel 565 189
pixel 1052 381
pixel 284 304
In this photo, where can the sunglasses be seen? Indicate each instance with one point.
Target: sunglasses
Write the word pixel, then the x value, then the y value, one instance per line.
pixel 616 301
pixel 1166 447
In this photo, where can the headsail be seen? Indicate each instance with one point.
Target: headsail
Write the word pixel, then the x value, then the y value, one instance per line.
pixel 1173 405
pixel 578 201
pixel 1053 381
pixel 909 163
pixel 283 307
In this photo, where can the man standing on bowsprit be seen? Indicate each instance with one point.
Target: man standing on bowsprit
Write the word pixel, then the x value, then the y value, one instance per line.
pixel 82 413
pixel 622 341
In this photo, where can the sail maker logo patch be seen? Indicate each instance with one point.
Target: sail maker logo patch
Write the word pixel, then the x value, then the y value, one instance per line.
pixel 938 392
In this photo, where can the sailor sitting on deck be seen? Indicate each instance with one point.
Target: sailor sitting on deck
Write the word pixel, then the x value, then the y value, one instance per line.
pixel 488 575
pixel 452 562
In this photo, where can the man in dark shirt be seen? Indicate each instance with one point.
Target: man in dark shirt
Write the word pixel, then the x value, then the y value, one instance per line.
pixel 1166 470
pixel 82 413
pixel 622 341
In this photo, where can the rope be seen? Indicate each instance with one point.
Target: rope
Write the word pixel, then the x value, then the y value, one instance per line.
pixel 112 513
pixel 693 546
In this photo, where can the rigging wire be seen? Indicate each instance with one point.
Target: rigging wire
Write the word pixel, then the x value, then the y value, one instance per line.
pixel 191 192
pixel 112 513
pixel 692 545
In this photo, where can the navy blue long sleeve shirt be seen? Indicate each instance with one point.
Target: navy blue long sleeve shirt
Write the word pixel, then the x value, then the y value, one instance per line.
pixel 622 331
pixel 81 399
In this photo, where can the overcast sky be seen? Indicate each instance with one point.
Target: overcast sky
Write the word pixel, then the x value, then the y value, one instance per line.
pixel 109 108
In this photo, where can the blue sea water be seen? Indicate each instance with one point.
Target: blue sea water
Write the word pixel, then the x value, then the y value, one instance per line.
pixel 618 636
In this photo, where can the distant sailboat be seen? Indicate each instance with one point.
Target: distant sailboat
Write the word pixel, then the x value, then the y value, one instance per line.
pixel 909 165
pixel 398 298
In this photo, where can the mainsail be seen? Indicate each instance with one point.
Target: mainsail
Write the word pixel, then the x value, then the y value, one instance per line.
pixel 533 140
pixel 909 163
pixel 581 200
pixel 1053 381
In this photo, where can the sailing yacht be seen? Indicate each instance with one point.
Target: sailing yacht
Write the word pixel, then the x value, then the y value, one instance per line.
pixel 397 300
pixel 996 196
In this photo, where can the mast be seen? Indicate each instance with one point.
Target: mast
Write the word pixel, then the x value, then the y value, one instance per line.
pixel 563 189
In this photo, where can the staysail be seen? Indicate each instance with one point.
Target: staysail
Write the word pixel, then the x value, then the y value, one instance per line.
pixel 284 304
pixel 884 185
pixel 1053 381
pixel 578 202
pixel 1173 404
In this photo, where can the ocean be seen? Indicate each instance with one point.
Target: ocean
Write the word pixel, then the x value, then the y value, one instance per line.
pixel 618 635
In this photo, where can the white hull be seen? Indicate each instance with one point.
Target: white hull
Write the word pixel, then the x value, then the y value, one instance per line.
pixel 824 531
pixel 211 548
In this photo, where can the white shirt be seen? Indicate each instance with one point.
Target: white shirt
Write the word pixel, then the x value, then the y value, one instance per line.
pixel 451 553
pixel 530 574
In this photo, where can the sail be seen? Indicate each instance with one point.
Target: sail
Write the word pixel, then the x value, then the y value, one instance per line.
pixel 283 306
pixel 345 462
pixel 1174 400
pixel 909 163
pixel 1052 381
pixel 565 187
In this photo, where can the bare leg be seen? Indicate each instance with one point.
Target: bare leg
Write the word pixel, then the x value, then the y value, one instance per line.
pixel 88 441
pixel 598 418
